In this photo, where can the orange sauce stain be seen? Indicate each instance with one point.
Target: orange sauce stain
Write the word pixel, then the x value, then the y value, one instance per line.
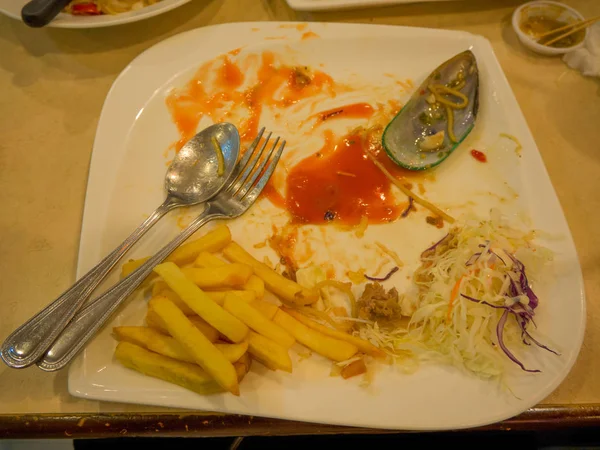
pixel 340 183
pixel 309 35
pixel 277 86
pixel 275 38
pixel 297 26
pixel 235 51
pixel 254 29
pixel 353 111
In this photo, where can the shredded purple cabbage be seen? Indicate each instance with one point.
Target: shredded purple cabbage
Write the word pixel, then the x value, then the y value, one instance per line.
pixel 522 313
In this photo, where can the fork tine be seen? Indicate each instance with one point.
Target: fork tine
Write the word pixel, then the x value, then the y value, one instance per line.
pixel 258 171
pixel 243 163
pixel 250 166
pixel 253 194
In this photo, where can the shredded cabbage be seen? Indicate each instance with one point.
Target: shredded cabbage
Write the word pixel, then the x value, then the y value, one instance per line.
pixel 467 290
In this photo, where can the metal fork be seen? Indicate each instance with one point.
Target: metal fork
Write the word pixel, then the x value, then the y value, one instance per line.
pixel 249 178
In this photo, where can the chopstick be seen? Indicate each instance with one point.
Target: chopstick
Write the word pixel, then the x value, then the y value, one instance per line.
pixel 577 26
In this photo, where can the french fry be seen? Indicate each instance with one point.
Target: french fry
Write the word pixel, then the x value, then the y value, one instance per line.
pixel 329 347
pixel 267 309
pixel 206 259
pixel 196 344
pixel 353 369
pixel 257 322
pixel 227 276
pixel 219 296
pixel 155 322
pixel 201 304
pixel 178 302
pixel 363 345
pixel 162 288
pixel 242 366
pixel 190 376
pixel 212 241
pixel 270 353
pixel 168 346
pixel 276 283
pixel 136 335
pixel 254 283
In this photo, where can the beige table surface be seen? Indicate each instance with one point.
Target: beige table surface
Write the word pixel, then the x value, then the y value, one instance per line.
pixel 52 86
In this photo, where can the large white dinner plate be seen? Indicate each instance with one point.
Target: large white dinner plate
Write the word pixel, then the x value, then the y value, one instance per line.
pixel 325 5
pixel 125 184
pixel 12 8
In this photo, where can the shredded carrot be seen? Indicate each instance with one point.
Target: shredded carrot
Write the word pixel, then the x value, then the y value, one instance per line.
pixel 453 296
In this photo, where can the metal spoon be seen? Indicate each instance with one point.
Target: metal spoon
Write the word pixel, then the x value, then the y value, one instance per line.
pixel 192 178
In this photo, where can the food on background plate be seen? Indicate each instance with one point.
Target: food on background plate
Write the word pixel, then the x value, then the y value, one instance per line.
pixel 97 7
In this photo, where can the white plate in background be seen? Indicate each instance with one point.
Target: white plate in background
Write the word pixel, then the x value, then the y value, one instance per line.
pixel 12 8
pixel 326 5
pixel 125 183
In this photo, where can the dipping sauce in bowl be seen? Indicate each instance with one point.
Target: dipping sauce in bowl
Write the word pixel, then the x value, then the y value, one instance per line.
pixel 534 19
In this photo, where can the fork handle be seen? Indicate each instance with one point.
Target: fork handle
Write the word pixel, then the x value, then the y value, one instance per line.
pixel 90 319
pixel 30 341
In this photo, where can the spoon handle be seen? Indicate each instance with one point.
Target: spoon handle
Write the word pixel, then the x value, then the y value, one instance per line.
pixel 38 13
pixel 31 340
pixel 90 319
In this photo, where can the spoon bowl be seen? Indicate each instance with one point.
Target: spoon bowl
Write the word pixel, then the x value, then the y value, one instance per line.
pixel 193 176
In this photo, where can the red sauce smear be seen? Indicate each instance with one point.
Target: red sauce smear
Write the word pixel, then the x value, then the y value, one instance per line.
pixel 340 183
pixel 479 156
pixel 353 111
pixel 277 86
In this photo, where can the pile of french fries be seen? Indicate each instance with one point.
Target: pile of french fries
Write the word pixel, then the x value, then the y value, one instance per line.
pixel 207 320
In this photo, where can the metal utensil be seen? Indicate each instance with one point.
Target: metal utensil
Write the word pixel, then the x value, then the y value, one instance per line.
pixel 39 13
pixel 192 178
pixel 249 178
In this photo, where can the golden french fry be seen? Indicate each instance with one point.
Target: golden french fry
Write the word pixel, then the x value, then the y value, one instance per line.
pixel 227 276
pixel 201 304
pixel 155 322
pixel 270 353
pixel 254 283
pixel 257 322
pixel 196 344
pixel 353 369
pixel 206 259
pixel 329 347
pixel 267 309
pixel 242 366
pixel 178 302
pixel 161 288
pixel 276 283
pixel 190 376
pixel 363 345
pixel 168 346
pixel 233 352
pixel 212 241
pixel 136 335
pixel 219 296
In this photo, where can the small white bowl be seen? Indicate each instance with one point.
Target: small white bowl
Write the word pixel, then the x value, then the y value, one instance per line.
pixel 555 10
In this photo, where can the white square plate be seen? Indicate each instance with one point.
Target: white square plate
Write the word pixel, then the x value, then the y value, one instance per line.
pixel 125 183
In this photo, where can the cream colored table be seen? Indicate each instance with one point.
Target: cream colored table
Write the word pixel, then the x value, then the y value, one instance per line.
pixel 52 85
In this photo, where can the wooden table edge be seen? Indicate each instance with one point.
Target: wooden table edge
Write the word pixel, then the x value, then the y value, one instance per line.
pixel 195 424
